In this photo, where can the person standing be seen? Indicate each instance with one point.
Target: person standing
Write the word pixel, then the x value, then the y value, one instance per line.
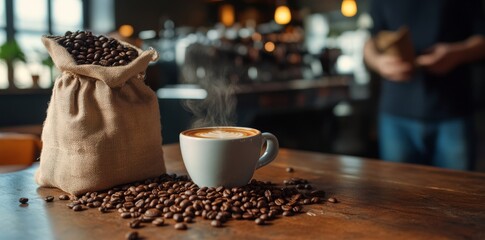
pixel 426 106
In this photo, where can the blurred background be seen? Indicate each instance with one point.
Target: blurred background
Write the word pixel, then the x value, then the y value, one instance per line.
pixel 294 68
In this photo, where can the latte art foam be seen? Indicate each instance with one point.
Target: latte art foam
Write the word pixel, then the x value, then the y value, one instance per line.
pixel 221 133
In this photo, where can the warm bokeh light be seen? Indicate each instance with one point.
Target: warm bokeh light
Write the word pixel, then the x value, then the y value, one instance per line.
pixel 256 37
pixel 282 15
pixel 126 30
pixel 269 46
pixel 349 8
pixel 226 14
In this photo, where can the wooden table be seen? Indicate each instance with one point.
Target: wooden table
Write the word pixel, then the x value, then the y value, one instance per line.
pixel 378 200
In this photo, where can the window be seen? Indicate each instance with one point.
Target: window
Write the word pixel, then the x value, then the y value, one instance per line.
pixel 27 27
pixel 67 16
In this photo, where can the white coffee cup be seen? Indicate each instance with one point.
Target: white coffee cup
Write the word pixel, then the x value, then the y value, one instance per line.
pixel 225 156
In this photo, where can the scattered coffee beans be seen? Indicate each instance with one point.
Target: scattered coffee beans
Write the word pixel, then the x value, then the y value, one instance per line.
pixel 178 217
pixel 103 209
pixel 49 198
pixel 188 220
pixel 158 221
pixel 259 221
pixel 77 208
pixel 180 226
pixel 23 200
pixel 132 236
pixel 64 197
pixel 87 48
pixel 177 199
pixel 216 223
pixel 134 224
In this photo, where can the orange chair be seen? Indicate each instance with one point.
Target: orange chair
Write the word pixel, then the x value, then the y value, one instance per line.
pixel 18 149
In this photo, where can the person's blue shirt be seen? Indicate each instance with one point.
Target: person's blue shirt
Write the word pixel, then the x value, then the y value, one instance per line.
pixel 426 96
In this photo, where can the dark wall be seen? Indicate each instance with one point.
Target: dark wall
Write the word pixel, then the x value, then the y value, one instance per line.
pixel 23 109
pixel 149 14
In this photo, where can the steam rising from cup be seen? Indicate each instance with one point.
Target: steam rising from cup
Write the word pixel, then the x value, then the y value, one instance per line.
pixel 205 67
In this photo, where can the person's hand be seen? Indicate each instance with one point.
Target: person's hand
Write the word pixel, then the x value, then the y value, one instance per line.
pixel 393 68
pixel 439 59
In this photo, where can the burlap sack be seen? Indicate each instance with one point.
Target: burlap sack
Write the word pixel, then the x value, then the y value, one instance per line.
pixel 102 127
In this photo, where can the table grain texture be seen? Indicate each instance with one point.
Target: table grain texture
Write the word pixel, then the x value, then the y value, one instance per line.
pixel 377 200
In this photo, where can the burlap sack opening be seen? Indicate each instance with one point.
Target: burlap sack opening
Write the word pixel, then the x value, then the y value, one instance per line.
pixel 103 125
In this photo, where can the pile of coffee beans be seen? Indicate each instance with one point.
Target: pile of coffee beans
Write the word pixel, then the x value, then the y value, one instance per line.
pixel 87 48
pixel 176 198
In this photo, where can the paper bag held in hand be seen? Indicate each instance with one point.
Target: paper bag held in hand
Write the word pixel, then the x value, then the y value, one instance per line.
pixel 397 43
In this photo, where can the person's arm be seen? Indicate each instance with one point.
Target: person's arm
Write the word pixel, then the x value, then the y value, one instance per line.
pixel 390 67
pixel 444 57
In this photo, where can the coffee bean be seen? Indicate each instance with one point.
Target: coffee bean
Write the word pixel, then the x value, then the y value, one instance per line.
pixel 216 223
pixel 296 209
pixel 23 200
pixel 288 213
pixel 64 197
pixel 332 200
pixel 188 214
pixel 188 219
pixel 103 209
pixel 286 207
pixel 289 169
pixel 315 200
pixel 158 222
pixel 178 217
pixel 221 218
pixel 77 208
pixel 80 36
pixel 152 212
pixel 259 221
pixel 180 226
pixel 49 198
pixel 279 201
pixel 72 204
pixel 135 224
pixel 146 219
pixel 168 215
pixel 132 236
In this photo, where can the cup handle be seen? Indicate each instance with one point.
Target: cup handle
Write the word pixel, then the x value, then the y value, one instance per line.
pixel 272 148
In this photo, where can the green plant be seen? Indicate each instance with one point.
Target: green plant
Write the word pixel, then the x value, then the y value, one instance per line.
pixel 47 61
pixel 11 51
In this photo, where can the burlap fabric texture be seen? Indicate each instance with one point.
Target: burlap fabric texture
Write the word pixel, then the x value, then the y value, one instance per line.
pixel 103 125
